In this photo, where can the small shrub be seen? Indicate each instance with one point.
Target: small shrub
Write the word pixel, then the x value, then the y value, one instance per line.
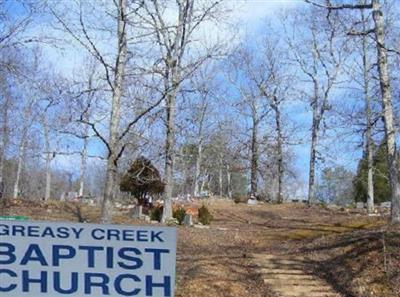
pixel 323 205
pixel 172 222
pixel 179 214
pixel 238 198
pixel 205 217
pixel 156 214
pixel 262 197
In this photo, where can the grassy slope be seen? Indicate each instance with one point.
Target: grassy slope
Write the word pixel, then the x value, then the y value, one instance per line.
pixel 347 249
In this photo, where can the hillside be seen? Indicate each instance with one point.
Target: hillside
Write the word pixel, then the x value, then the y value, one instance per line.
pixel 267 250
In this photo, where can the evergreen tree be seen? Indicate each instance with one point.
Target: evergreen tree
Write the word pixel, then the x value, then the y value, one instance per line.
pixel 381 181
pixel 141 180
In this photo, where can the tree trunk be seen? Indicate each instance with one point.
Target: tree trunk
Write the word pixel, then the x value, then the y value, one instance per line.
pixel 186 184
pixel 196 191
pixel 106 206
pixel 199 158
pixel 313 154
pixel 203 183
pixel 83 168
pixel 48 180
pixel 19 168
pixel 48 160
pixel 4 145
pixel 279 197
pixel 316 118
pixel 169 156
pixel 228 181
pixel 387 107
pixel 368 132
pixel 220 178
pixel 254 160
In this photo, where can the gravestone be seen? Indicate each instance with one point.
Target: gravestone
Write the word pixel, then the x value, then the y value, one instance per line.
pixel 188 220
pixel 386 204
pixel 72 195
pixel 360 205
pixel 137 212
pixel 252 201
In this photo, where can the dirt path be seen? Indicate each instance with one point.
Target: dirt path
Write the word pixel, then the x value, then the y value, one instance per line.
pixel 266 250
pixel 290 276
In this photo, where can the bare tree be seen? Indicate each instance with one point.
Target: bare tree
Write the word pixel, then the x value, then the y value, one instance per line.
pixel 319 49
pixel 362 71
pixel 198 116
pixel 174 38
pixel 274 81
pixel 115 77
pixel 117 91
pixel 13 28
pixel 29 116
pixel 251 104
pixel 368 118
pixel 387 106
pixel 13 41
pixel 268 80
pixel 6 105
pixel 275 85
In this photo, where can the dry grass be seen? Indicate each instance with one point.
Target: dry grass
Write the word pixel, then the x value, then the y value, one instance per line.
pixel 215 261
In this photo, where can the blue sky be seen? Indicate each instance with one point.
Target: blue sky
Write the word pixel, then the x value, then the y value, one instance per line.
pixel 251 16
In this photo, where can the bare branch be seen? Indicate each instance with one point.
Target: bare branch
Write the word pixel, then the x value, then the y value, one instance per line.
pixel 342 6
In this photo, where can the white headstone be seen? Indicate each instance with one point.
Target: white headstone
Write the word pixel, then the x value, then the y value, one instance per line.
pixel 386 204
pixel 360 205
pixel 252 201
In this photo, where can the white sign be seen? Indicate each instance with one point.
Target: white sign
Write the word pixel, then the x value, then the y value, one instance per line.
pixel 66 259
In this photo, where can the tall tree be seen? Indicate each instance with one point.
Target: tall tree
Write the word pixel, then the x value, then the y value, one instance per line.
pixel 380 185
pixel 29 116
pixel 319 49
pixel 368 118
pixel 5 130
pixel 274 81
pixel 243 74
pixel 174 37
pixel 14 41
pixel 385 84
pixel 199 118
pixel 114 65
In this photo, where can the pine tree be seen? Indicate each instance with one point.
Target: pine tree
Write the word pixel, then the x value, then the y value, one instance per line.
pixel 381 181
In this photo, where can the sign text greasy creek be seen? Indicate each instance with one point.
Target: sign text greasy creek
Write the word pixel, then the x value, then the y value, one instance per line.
pixel 65 259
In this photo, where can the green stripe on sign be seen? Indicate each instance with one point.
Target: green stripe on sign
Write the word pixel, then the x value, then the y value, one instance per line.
pixel 13 218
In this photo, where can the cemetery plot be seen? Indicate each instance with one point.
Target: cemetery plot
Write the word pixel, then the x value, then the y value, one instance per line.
pixel 248 250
